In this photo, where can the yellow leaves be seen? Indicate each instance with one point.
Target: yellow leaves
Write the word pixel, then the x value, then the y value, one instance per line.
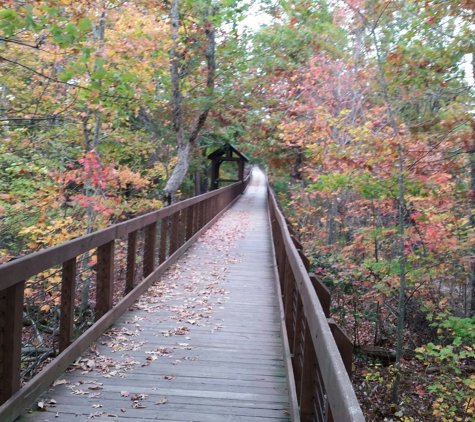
pixel 45 308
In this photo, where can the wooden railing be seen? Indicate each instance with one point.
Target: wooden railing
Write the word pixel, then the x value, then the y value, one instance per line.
pixel 320 351
pixel 148 245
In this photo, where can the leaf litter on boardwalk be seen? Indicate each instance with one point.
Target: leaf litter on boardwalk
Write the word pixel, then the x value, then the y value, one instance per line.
pixel 186 294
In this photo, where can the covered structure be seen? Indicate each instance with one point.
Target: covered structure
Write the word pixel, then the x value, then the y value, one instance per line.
pixel 226 153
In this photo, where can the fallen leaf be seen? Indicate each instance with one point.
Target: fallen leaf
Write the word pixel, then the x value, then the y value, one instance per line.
pixel 122 409
pixel 124 393
pixel 162 401
pixel 96 406
pixel 60 382
pixel 41 406
pixel 169 377
pixel 96 387
pixel 138 405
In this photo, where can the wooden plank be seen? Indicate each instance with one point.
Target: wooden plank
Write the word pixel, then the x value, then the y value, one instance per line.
pixel 11 322
pixel 131 255
pixel 105 279
pixel 68 289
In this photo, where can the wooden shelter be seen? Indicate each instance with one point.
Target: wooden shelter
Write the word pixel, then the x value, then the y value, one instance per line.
pixel 227 152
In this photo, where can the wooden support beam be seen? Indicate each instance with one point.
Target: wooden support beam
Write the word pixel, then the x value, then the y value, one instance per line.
pixel 105 279
pixel 131 255
pixel 11 323
pixel 323 294
pixel 68 289
pixel 162 253
pixel 150 243
pixel 174 233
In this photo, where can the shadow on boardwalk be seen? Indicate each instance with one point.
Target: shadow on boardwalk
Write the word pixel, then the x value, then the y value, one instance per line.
pixel 203 344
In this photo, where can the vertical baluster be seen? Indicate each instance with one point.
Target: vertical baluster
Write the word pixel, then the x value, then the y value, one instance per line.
pixel 11 323
pixel 174 233
pixel 149 249
pixel 181 228
pixel 162 254
pixel 105 279
pixel 307 386
pixel 297 348
pixel 289 286
pixel 68 289
pixel 131 256
pixel 189 222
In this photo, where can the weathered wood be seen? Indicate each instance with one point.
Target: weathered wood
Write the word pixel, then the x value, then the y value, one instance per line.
pixel 344 344
pixel 305 261
pixel 105 279
pixel 323 294
pixel 131 254
pixel 296 243
pixel 11 322
pixel 68 289
pixel 337 386
pixel 150 244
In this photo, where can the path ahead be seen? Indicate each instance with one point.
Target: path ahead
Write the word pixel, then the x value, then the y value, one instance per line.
pixel 205 341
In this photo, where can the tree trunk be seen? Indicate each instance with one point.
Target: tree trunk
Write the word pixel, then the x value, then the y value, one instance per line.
pixel 186 145
pixel 471 158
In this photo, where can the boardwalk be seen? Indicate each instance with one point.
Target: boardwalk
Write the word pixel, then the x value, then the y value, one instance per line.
pixel 204 344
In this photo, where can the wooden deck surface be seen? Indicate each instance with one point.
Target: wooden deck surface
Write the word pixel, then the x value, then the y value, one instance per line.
pixel 205 340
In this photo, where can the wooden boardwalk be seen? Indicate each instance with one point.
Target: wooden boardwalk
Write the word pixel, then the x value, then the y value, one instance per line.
pixel 203 344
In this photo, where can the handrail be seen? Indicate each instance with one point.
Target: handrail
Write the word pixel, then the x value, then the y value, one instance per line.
pixel 164 234
pixel 321 352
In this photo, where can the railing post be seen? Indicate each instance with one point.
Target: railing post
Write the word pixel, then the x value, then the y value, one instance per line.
pixel 105 279
pixel 344 344
pixel 189 222
pixel 324 295
pixel 182 228
pixel 174 233
pixel 150 243
pixel 162 253
pixel 11 324
pixel 68 289
pixel 131 256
